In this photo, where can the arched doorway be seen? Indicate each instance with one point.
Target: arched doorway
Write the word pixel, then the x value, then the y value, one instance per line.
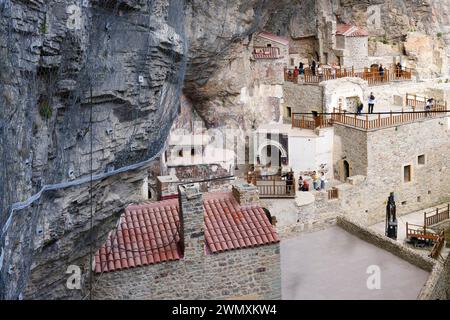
pixel 271 154
pixel 346 170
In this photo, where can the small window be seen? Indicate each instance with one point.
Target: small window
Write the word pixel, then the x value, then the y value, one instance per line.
pixel 269 45
pixel 404 203
pixel 292 62
pixel 419 199
pixel 421 159
pixel 289 112
pixel 193 152
pixel 407 173
pixel 180 153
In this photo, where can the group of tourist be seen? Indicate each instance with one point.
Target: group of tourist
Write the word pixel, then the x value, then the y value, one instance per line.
pixel 319 182
pixel 360 105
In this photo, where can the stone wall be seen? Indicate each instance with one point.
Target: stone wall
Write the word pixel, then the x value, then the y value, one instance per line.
pixel 263 42
pixel 438 285
pixel 303 98
pixel 350 145
pixel 232 274
pixel 305 48
pixel 387 152
pixel 419 260
pixel 356 52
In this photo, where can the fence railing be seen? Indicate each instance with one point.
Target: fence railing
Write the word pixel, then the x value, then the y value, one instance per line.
pixel 308 122
pixel 436 216
pixel 372 75
pixel 333 194
pixel 392 119
pixel 276 188
pixel 419 232
pixel 416 101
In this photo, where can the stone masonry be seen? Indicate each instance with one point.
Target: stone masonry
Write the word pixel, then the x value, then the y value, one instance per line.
pixel 389 150
pixel 253 273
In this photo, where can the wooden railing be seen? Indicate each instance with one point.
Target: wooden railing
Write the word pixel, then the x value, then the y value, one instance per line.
pixel 436 250
pixel 386 121
pixel 436 216
pixel 372 75
pixel 419 232
pixel 333 194
pixel 308 122
pixel 415 101
pixel 276 188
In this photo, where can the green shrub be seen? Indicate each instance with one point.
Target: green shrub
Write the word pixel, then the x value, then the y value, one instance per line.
pixel 439 35
pixel 45 110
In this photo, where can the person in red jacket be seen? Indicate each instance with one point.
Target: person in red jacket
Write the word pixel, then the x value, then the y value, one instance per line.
pixel 296 72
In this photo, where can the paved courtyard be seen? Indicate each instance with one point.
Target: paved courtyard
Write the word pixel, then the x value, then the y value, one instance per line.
pixel 332 264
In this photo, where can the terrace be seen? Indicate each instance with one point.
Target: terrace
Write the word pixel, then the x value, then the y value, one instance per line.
pixel 414 111
pixel 371 75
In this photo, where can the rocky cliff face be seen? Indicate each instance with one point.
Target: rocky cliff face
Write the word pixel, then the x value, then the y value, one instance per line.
pixel 78 78
pixel 100 78
pixel 103 78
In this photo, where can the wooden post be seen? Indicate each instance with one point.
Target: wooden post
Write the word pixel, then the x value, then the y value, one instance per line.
pixel 390 119
pixel 379 120
pixel 424 218
pixel 303 121
pixel 293 116
pixel 406 230
pixel 367 121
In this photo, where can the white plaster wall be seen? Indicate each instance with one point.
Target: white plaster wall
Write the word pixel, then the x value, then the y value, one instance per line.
pixel 308 153
pixel 324 150
pixel 302 153
pixel 342 88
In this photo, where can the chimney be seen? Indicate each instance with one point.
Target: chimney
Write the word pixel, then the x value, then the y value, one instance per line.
pixel 192 235
pixel 246 194
pixel 166 187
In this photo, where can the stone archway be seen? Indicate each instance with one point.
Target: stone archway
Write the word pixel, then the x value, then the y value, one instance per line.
pixel 271 152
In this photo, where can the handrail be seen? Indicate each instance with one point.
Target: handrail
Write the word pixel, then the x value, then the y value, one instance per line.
pixel 436 216
pixel 382 122
pixel 371 75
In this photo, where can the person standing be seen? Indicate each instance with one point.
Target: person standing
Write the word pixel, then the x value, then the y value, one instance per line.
pixel 428 106
pixel 301 68
pixel 323 181
pixel 381 71
pixel 315 178
pixel 359 107
pixel 371 102
pixel 296 72
pixel 313 67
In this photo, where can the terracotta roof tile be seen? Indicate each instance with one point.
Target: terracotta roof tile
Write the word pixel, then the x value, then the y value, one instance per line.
pixel 147 233
pixel 350 31
pixel 270 36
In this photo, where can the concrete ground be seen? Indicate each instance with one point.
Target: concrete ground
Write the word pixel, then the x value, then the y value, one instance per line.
pixel 332 264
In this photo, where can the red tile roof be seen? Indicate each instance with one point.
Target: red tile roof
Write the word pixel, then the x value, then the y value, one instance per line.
pixel 350 31
pixel 148 233
pixel 266 53
pixel 270 36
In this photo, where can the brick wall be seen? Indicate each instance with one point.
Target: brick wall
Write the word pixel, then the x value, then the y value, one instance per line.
pixel 252 271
